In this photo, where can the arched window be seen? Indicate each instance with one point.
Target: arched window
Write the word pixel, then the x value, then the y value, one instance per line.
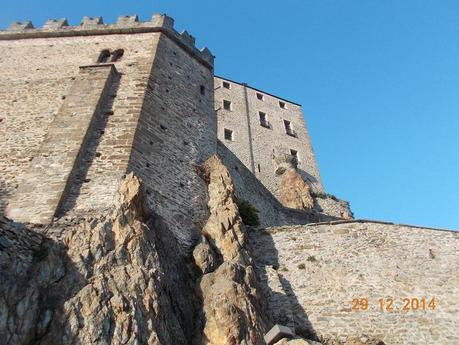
pixel 104 56
pixel 117 55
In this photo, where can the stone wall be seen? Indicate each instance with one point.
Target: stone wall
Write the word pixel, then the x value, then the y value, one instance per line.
pixel 312 273
pixel 249 188
pixel 33 88
pixel 332 206
pixel 176 132
pixel 158 120
pixel 256 145
pixel 53 172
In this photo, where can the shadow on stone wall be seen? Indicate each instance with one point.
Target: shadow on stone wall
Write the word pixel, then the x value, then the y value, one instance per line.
pixel 283 305
pixel 312 181
pixel 248 187
pixel 78 176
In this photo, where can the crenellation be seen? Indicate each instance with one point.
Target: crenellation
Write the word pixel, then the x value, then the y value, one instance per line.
pixel 163 20
pixel 18 26
pixel 92 21
pixel 187 38
pixel 128 20
pixel 56 23
pixel 92 26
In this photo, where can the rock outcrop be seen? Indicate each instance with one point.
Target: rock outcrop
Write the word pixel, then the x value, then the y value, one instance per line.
pixel 294 192
pixel 232 304
pixel 112 279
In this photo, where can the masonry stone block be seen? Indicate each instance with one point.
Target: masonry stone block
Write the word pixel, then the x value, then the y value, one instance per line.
pixel 277 333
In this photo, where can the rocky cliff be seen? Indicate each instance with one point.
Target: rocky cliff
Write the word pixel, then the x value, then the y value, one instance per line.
pixel 120 278
pixel 115 278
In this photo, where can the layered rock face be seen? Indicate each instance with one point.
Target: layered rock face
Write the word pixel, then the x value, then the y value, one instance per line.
pixel 121 278
pixel 112 279
pixel 293 192
pixel 232 305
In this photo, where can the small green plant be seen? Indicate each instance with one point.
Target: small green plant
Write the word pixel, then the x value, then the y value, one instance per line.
pixel 301 266
pixel 324 196
pixel 311 258
pixel 249 213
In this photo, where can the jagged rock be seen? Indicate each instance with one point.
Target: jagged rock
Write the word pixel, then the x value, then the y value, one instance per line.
pixel 294 191
pixel 116 279
pixel 232 306
pixel 224 225
pixel 205 257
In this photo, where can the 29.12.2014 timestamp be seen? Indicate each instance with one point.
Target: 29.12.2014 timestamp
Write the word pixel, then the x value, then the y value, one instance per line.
pixel 389 304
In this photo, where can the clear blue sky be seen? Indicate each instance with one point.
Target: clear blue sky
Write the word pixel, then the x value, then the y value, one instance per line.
pixel 378 81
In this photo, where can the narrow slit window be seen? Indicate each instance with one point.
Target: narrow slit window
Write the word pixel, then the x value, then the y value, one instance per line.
pixel 203 90
pixel 294 154
pixel 259 168
pixel 226 85
pixel 228 134
pixel 104 56
pixel 282 105
pixel 227 105
pixel 260 96
pixel 117 55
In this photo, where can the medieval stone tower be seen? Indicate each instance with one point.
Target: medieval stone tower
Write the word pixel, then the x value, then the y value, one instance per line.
pixel 84 105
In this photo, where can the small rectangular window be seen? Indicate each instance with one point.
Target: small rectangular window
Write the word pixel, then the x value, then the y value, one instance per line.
pixel 282 105
pixel 288 129
pixel 203 90
pixel 228 134
pixel 227 105
pixel 264 120
pixel 288 125
pixel 260 96
pixel 262 116
pixel 226 85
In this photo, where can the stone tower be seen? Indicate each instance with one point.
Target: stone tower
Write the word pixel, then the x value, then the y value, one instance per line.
pixel 261 129
pixel 84 105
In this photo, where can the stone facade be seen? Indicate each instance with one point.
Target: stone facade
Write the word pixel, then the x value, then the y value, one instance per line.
pixel 312 273
pixel 260 140
pixel 155 117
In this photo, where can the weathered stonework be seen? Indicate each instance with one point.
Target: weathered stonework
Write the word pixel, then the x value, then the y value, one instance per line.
pixel 257 144
pixel 312 273
pixel 156 119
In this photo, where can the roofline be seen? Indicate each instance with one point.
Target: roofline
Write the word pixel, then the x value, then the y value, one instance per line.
pixel 253 88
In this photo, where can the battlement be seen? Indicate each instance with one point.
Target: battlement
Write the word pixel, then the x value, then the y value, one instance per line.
pixel 90 26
